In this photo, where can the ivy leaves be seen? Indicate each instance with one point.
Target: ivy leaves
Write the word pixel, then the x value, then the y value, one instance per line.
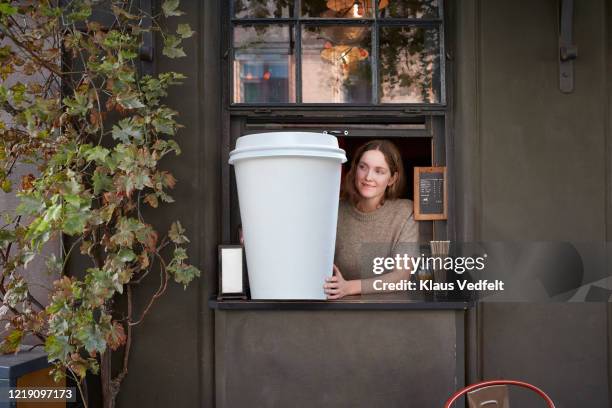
pixel 172 48
pixel 128 131
pixel 97 149
pixel 30 204
pixel 181 271
pixel 129 100
pixel 170 8
pixel 126 231
pixel 78 105
pixel 11 342
pixel 7 10
pixel 176 233
pixel 184 31
pixel 58 347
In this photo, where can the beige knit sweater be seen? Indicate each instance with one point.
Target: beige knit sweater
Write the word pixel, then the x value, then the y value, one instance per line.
pixel 385 232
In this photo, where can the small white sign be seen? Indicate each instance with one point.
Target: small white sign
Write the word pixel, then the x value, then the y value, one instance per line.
pixel 231 266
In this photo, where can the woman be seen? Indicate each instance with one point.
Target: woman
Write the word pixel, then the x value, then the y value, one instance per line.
pixel 372 221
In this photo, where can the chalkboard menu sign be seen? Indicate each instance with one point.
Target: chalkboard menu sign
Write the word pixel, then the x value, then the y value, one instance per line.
pixel 430 193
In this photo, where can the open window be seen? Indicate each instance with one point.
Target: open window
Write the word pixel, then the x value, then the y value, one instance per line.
pixel 420 141
pixel 358 69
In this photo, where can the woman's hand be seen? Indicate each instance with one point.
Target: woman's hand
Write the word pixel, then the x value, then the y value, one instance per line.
pixel 337 287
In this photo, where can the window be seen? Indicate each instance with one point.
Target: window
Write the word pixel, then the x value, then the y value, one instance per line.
pixel 420 141
pixel 362 52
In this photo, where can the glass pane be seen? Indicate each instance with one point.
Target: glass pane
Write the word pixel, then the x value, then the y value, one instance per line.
pixel 337 8
pixel 409 66
pixel 264 68
pixel 263 8
pixel 409 8
pixel 336 64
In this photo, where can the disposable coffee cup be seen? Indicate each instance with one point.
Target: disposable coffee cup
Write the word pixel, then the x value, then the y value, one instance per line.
pixel 288 192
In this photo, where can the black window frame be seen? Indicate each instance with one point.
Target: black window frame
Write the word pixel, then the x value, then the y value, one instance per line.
pixel 295 22
pixel 359 126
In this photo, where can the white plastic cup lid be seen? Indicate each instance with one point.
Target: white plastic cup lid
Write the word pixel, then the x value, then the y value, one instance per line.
pixel 287 144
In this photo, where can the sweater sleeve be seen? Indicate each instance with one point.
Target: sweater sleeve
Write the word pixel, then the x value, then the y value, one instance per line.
pixel 407 243
pixel 408 239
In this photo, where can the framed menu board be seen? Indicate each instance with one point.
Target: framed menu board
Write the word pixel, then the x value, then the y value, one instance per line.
pixel 430 197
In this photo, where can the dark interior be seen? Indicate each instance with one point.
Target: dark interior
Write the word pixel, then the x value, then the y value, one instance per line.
pixel 415 151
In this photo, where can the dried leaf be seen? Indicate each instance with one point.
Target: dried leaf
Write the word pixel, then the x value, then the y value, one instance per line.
pixel 116 337
pixel 176 233
pixel 26 182
pixel 170 8
pixel 168 179
pixel 151 199
pixel 184 30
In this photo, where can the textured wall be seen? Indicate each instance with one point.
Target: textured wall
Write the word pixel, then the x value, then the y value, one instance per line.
pixel 172 362
pixel 337 358
pixel 36 274
pixel 533 165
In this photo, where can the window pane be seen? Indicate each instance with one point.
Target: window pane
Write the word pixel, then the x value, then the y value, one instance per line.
pixel 336 64
pixel 409 65
pixel 263 8
pixel 337 8
pixel 409 8
pixel 264 64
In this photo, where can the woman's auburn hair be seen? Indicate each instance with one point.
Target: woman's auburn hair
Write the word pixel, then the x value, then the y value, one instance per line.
pixel 394 161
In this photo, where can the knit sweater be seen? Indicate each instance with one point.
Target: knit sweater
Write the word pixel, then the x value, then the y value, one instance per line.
pixel 362 237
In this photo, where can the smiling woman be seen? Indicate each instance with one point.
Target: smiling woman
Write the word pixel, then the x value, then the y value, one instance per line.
pixel 372 221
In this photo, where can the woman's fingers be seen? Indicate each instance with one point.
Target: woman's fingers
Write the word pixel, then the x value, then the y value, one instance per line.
pixel 333 285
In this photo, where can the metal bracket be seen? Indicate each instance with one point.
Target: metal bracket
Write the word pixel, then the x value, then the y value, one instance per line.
pixel 336 132
pixel 568 51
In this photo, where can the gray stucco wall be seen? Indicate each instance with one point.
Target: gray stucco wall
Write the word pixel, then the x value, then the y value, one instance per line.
pixel 40 281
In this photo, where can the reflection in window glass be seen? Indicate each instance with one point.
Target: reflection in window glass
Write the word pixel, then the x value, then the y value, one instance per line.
pixel 263 64
pixel 263 8
pixel 409 66
pixel 337 8
pixel 408 8
pixel 336 64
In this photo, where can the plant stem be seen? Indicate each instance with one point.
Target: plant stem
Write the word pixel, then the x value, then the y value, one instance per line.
pixel 108 400
pixel 78 384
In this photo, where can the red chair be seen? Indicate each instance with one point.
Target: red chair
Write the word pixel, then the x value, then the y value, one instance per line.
pixel 489 383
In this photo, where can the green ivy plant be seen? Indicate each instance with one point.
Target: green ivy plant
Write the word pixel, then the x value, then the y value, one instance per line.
pixel 76 108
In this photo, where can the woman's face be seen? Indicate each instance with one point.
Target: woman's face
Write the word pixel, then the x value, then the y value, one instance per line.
pixel 373 175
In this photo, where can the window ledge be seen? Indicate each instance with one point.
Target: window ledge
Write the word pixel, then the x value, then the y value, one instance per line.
pixel 366 302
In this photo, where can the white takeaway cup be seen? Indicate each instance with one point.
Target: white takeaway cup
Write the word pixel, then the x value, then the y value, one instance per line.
pixel 288 190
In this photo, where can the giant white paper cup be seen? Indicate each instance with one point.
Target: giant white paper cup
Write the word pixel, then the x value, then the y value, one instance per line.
pixel 288 188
